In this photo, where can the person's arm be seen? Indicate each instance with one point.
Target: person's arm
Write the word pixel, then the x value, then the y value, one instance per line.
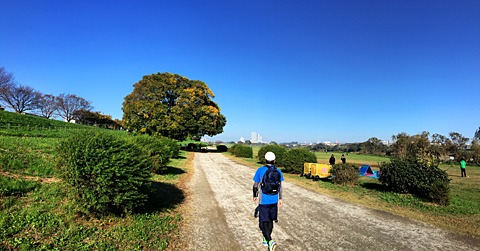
pixel 255 191
pixel 280 202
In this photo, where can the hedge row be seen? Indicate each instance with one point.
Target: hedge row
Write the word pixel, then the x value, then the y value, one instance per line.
pixel 291 160
pixel 241 150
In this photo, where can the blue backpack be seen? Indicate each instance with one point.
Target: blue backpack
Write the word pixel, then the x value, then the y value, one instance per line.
pixel 271 181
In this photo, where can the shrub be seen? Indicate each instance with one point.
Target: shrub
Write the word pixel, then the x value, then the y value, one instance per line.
pixel 241 150
pixel 345 174
pixel 412 176
pixel 296 157
pixel 222 148
pixel 277 149
pixel 159 149
pixel 107 173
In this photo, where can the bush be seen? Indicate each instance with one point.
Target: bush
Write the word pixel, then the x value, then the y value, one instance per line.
pixel 277 149
pixel 345 174
pixel 412 176
pixel 107 173
pixel 222 148
pixel 240 150
pixel 159 149
pixel 295 158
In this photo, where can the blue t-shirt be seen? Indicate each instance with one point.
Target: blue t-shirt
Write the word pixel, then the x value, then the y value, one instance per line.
pixel 266 199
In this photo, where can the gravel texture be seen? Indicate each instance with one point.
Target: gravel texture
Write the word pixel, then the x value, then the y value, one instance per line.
pixel 221 218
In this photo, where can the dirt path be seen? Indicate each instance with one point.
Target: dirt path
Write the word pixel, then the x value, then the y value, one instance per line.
pixel 222 218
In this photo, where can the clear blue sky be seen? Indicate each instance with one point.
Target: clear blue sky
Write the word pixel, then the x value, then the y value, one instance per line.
pixel 307 71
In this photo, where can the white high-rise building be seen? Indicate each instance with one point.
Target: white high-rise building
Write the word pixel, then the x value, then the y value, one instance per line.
pixel 254 138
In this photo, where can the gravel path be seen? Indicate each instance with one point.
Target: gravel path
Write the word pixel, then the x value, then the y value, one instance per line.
pixel 222 218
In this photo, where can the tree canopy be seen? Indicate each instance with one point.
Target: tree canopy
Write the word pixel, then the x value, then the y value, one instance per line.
pixel 173 106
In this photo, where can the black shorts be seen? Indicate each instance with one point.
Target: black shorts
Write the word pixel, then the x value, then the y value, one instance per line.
pixel 268 212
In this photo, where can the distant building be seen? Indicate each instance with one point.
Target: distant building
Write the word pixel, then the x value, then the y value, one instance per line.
pixel 242 140
pixel 256 138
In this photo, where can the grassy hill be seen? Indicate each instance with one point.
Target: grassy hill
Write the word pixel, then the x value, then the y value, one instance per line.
pixel 38 211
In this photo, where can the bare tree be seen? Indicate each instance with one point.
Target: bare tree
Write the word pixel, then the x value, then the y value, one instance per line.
pixel 68 104
pixel 47 105
pixel 6 82
pixel 20 98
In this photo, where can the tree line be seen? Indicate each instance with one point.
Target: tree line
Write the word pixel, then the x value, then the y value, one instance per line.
pixel 433 149
pixel 70 107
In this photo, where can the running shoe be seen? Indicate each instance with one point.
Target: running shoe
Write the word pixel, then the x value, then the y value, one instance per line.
pixel 271 245
pixel 264 241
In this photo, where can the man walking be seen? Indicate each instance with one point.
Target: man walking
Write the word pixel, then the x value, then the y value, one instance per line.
pixel 269 179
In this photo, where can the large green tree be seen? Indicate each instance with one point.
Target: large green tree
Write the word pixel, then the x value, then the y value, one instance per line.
pixel 173 106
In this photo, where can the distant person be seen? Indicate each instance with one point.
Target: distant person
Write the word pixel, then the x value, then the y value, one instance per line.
pixel 344 160
pixel 463 167
pixel 269 179
pixel 332 160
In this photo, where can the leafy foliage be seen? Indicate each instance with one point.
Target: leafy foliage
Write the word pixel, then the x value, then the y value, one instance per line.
pixel 345 174
pixel 222 148
pixel 86 117
pixel 296 157
pixel 279 151
pixel 409 175
pixel 107 173
pixel 159 150
pixel 173 106
pixel 241 150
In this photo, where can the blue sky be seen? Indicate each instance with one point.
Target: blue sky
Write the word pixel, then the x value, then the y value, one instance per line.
pixel 303 71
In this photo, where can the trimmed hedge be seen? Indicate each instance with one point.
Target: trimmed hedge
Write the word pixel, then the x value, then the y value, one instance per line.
pixel 159 149
pixel 222 148
pixel 295 158
pixel 418 178
pixel 240 150
pixel 345 174
pixel 108 174
pixel 279 151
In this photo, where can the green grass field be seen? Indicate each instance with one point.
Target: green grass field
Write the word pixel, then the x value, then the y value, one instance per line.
pixel 355 158
pixel 37 214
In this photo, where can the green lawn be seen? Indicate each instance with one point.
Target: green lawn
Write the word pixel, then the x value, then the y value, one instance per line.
pixel 357 158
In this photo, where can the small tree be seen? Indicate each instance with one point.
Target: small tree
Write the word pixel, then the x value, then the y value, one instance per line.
pixel 47 105
pixel 68 104
pixel 6 80
pixel 20 98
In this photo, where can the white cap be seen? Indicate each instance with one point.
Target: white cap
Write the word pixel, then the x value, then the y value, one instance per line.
pixel 270 156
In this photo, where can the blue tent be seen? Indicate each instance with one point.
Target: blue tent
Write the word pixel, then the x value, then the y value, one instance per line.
pixel 366 170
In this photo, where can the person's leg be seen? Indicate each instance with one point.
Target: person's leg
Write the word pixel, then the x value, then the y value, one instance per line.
pixel 267 227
